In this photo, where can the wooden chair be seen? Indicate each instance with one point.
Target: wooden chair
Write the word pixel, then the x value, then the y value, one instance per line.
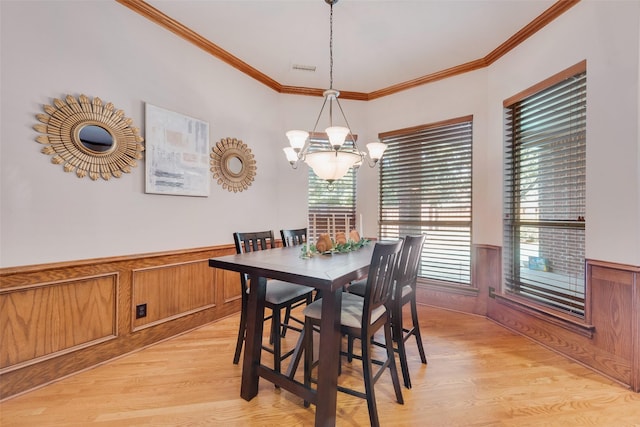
pixel 404 293
pixel 293 237
pixel 279 295
pixel 361 318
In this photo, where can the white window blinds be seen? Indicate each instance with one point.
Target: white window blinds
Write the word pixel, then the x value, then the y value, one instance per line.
pixel 425 187
pixel 544 200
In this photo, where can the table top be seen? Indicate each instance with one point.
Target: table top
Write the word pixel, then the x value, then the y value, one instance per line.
pixel 326 272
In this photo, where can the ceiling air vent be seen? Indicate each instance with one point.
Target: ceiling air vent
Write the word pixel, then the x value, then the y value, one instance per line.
pixel 300 67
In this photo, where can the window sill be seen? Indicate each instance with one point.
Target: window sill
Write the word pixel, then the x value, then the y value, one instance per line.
pixel 558 319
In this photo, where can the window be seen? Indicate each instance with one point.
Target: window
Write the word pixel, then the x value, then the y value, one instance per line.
pixel 425 187
pixel 331 209
pixel 544 208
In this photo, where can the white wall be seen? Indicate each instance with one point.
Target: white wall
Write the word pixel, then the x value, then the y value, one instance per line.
pixel 606 34
pixel 100 48
pixel 458 96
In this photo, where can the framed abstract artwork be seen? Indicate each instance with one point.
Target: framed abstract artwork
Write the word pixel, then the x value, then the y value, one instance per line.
pixel 177 153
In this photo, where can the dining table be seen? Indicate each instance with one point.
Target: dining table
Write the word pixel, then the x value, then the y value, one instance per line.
pixel 328 274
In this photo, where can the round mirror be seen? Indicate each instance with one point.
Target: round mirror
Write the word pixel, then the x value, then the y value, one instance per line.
pixel 234 164
pixel 89 137
pixel 95 138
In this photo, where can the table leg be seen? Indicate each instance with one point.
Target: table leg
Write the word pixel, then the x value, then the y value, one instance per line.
pixel 330 358
pixel 253 338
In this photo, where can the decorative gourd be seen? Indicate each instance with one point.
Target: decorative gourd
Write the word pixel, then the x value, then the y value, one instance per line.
pixel 341 238
pixel 324 243
pixel 354 235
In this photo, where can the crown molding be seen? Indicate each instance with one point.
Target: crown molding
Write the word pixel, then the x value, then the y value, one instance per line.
pixel 557 9
pixel 165 21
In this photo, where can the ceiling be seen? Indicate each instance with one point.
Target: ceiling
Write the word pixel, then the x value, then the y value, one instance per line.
pixel 376 44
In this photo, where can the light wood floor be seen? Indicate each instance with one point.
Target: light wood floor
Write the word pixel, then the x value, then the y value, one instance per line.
pixel 479 374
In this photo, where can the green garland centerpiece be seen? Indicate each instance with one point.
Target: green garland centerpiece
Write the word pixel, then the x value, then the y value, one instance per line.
pixel 326 246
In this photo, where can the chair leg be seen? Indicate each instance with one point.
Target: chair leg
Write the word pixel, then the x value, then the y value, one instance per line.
pixel 241 333
pixel 416 330
pixel 308 354
pixel 392 363
pixel 297 354
pixel 287 317
pixel 277 341
pixel 287 314
pixel 367 374
pixel 273 332
pixel 398 339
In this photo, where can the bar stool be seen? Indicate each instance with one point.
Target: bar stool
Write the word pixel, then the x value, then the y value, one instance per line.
pixel 279 295
pixel 404 293
pixel 361 318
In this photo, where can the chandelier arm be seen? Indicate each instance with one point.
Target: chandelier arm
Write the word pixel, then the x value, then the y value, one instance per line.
pixel 353 138
pixel 330 112
pixel 369 162
pixel 315 127
pixel 302 154
pixel 307 145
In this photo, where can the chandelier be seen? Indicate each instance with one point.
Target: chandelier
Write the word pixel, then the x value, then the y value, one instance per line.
pixel 331 162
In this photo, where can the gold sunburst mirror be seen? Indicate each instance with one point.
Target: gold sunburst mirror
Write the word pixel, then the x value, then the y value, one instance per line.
pixel 89 137
pixel 232 164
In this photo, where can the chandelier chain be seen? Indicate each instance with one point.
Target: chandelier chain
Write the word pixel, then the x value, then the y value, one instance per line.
pixel 331 47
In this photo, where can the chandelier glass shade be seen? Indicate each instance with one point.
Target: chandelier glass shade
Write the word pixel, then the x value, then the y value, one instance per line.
pixel 330 161
pixel 332 165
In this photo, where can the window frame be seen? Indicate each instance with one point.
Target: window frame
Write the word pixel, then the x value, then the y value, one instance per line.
pixel 562 317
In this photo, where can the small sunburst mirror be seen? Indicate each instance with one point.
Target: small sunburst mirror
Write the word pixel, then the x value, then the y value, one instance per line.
pixel 233 164
pixel 89 137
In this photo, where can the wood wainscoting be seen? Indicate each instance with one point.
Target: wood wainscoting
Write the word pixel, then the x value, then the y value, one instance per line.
pixel 486 274
pixel 607 340
pixel 62 318
pixel 59 319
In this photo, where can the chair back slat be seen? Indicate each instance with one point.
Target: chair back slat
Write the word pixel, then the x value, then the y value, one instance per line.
pixel 253 241
pixel 408 263
pixel 381 276
pixel 293 237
